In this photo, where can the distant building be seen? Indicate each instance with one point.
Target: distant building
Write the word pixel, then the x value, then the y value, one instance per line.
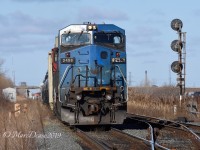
pixel 23 84
pixel 22 92
pixel 36 95
pixel 10 94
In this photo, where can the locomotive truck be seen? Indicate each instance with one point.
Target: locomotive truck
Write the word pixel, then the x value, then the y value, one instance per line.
pixel 86 78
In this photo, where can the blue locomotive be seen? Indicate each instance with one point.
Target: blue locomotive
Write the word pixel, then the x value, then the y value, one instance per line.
pixel 86 77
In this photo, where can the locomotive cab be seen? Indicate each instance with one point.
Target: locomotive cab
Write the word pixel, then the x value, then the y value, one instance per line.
pixel 89 74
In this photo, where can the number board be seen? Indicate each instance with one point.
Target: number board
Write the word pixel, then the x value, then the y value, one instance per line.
pixel 118 60
pixel 67 60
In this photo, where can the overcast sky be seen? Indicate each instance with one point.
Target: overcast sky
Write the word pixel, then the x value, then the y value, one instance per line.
pixel 28 29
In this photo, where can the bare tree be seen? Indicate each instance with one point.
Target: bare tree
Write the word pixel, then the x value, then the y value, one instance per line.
pixel 4 81
pixel 1 64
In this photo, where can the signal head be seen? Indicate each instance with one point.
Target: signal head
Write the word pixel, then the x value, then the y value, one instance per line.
pixel 176 24
pixel 176 67
pixel 176 45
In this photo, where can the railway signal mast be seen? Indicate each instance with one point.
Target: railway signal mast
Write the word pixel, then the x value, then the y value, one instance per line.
pixel 179 46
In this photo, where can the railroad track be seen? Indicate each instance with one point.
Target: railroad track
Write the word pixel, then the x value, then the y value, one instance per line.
pixel 117 139
pixel 113 139
pixel 194 128
pixel 154 134
pixel 170 134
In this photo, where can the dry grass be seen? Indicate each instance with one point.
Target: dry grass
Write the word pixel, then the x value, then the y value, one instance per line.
pixel 16 131
pixel 158 102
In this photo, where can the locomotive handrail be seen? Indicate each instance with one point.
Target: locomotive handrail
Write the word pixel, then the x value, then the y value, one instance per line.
pixel 84 77
pixel 124 80
pixel 121 73
pixel 62 80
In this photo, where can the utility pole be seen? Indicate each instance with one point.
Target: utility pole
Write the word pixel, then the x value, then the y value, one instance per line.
pixel 146 79
pixel 130 79
pixel 170 79
pixel 13 72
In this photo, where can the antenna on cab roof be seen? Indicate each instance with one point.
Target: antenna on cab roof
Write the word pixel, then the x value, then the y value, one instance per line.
pixel 86 22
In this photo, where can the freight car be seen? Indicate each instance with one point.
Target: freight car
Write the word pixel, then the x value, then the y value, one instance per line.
pixel 86 77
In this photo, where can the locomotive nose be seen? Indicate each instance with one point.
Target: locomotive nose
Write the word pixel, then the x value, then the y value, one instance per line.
pixel 101 65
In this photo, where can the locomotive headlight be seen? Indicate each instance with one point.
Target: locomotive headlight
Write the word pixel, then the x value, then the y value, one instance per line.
pixel 108 97
pixel 78 97
pixel 91 27
pixel 94 27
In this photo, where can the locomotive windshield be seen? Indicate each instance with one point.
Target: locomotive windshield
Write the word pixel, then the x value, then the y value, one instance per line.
pixel 75 39
pixel 113 40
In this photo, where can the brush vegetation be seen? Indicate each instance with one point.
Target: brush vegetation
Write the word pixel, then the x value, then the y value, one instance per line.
pixel 18 129
pixel 161 102
pixel 15 128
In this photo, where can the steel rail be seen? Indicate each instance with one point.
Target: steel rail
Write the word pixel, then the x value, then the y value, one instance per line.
pixel 95 143
pixel 133 138
pixel 194 127
pixel 184 127
pixel 196 136
pixel 152 141
pixel 113 134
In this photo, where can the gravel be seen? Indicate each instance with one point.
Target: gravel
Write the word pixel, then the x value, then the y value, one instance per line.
pixel 138 133
pixel 56 136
